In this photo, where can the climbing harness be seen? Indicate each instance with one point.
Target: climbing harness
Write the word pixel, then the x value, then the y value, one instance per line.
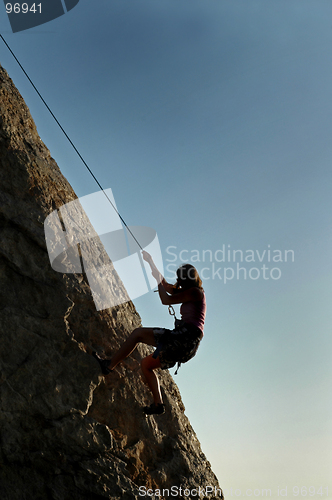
pixel 179 341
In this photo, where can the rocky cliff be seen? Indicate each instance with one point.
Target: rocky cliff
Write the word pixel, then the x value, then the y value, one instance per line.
pixel 66 431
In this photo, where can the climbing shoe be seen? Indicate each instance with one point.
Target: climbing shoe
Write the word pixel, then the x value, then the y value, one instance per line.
pixel 154 409
pixel 103 363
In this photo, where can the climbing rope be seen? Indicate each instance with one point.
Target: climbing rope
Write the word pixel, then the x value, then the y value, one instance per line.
pixel 70 141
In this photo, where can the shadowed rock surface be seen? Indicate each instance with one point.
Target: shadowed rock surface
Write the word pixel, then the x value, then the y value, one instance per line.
pixel 66 431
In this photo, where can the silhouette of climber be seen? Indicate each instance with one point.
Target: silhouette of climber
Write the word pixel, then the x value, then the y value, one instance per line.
pixel 173 346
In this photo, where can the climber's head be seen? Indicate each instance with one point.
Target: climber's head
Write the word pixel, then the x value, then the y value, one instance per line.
pixel 187 277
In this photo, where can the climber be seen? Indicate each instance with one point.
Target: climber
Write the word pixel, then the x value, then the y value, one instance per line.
pixel 182 342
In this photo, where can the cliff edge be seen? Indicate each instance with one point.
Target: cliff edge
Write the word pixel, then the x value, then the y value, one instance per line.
pixel 66 432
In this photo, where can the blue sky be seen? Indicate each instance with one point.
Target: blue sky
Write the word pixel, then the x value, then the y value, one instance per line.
pixel 211 122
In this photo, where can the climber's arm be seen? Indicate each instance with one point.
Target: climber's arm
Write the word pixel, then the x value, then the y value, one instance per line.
pixel 190 295
pixel 156 274
pixel 168 286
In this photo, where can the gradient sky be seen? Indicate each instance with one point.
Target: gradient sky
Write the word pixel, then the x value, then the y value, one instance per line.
pixel 211 121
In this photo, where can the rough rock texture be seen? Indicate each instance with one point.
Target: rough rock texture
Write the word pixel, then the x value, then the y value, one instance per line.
pixel 67 432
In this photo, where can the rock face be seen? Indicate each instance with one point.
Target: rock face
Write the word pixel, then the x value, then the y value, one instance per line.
pixel 66 431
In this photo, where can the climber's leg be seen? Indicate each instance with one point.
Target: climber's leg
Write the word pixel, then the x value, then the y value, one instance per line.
pixel 144 335
pixel 149 364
